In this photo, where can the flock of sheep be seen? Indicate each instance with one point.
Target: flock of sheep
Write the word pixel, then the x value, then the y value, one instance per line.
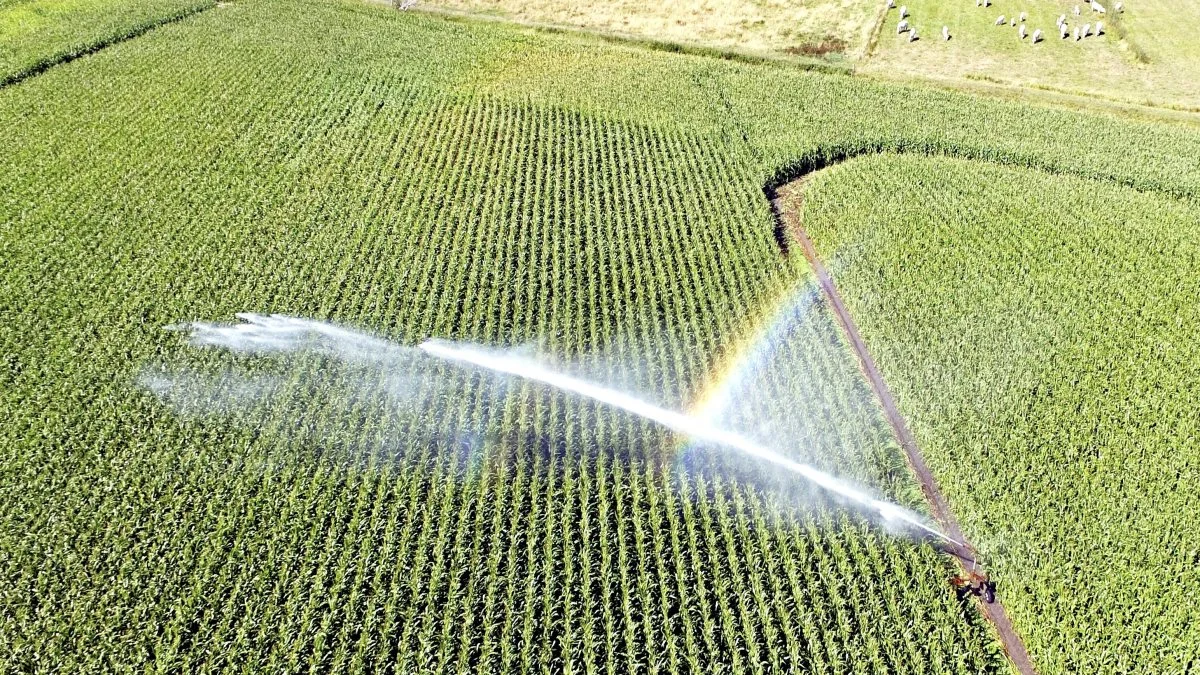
pixel 1063 31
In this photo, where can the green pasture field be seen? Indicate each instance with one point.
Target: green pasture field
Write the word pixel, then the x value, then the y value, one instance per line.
pixel 414 177
pixel 1148 53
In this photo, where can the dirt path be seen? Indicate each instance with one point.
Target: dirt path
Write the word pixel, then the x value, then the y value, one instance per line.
pixel 791 219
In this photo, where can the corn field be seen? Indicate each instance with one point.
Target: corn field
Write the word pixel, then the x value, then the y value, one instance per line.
pixel 35 35
pixel 414 177
pixel 1039 347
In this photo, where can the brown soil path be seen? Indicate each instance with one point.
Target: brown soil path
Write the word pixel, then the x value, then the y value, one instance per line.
pixel 791 218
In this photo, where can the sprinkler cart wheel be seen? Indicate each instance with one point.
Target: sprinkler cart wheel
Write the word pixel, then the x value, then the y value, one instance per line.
pixel 975 584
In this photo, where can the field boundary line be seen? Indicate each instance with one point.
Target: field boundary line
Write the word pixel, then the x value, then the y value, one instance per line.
pixel 873 38
pixel 131 33
pixel 827 156
pixel 965 554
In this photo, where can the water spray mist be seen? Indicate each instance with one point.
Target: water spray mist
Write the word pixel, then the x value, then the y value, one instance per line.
pixel 273 334
pixel 697 429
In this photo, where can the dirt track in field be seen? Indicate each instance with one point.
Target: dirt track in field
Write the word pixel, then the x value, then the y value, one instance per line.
pixel 787 207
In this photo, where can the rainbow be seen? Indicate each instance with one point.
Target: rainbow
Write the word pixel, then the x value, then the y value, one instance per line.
pixel 755 351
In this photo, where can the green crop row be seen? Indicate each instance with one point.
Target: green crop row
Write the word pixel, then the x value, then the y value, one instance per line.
pixel 330 528
pixel 1036 330
pixel 414 178
pixel 36 34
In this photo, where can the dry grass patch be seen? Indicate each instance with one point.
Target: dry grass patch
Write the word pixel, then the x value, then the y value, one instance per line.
pixel 809 27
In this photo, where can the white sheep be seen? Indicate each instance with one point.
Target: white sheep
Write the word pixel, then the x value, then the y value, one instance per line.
pixel 1076 10
pixel 1099 28
pixel 945 32
pixel 1062 31
pixel 912 35
pixel 1077 33
pixel 1037 36
pixel 1012 21
pixel 1023 16
pixel 1087 29
pixel 901 27
pixel 1119 7
pixel 903 11
pixel 1022 31
pixel 891 4
pixel 1062 18
pixel 1000 20
pixel 1097 7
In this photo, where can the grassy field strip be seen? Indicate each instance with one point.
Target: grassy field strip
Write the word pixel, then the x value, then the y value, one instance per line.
pixel 1146 58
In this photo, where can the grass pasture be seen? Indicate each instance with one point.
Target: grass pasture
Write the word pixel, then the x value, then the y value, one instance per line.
pixel 1147 57
pixel 1148 54
pixel 414 177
